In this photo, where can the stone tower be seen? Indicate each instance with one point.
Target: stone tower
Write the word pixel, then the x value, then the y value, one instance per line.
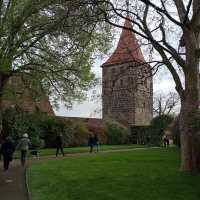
pixel 127 83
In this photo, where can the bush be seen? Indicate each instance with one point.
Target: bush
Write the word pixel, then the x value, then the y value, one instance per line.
pixel 40 127
pixel 116 133
pixel 159 124
pixel 79 133
pixel 140 134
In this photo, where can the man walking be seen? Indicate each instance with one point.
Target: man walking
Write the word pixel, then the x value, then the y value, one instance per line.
pixel 59 144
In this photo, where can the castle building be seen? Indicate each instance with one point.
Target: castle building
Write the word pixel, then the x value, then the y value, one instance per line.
pixel 19 92
pixel 127 91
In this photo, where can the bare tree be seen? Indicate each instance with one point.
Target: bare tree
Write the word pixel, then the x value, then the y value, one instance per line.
pixel 171 30
pixel 165 104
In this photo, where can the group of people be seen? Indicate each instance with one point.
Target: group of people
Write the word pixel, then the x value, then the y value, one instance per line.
pixel 93 142
pixel 8 147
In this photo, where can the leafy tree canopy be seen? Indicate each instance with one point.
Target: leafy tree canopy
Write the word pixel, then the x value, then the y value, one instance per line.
pixel 53 42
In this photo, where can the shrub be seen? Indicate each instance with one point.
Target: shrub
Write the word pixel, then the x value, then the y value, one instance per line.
pixel 39 127
pixel 79 133
pixel 159 124
pixel 116 133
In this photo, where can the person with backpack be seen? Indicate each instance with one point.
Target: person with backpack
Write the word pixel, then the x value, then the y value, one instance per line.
pixel 7 150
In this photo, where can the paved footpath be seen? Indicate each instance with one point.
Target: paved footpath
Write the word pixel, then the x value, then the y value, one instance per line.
pixel 13 181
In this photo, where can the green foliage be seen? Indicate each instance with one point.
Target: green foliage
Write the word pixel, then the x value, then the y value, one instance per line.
pixel 162 122
pixel 42 129
pixel 159 124
pixel 79 133
pixel 116 133
pixel 53 43
pixel 139 135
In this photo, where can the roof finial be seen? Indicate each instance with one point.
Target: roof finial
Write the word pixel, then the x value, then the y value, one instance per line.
pixel 127 7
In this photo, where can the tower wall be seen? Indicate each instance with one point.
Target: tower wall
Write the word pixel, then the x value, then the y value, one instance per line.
pixel 118 100
pixel 127 94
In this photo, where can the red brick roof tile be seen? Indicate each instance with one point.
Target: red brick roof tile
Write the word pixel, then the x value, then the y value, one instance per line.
pixel 127 49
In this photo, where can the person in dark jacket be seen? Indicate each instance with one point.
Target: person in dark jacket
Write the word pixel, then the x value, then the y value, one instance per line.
pixel 91 142
pixel 96 142
pixel 7 150
pixel 59 144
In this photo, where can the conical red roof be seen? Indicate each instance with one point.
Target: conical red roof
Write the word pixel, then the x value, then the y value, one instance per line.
pixel 127 49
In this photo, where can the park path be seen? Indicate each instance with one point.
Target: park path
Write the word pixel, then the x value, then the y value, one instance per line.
pixel 13 182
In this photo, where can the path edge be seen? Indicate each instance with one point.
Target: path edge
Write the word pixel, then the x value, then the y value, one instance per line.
pixel 27 184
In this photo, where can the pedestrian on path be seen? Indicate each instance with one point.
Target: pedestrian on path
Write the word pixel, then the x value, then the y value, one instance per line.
pixel 96 142
pixel 23 146
pixel 7 150
pixel 165 141
pixel 59 144
pixel 91 142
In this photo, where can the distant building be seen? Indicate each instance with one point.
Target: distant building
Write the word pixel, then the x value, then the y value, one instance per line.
pixel 20 92
pixel 127 83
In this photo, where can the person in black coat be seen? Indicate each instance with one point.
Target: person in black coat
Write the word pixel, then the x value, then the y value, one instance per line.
pixel 59 144
pixel 7 150
pixel 96 142
pixel 91 142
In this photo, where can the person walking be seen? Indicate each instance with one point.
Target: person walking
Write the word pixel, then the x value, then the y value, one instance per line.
pixel 91 142
pixel 165 141
pixel 7 150
pixel 59 144
pixel 96 142
pixel 23 146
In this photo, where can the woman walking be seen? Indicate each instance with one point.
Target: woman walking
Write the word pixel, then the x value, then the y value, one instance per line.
pixel 23 146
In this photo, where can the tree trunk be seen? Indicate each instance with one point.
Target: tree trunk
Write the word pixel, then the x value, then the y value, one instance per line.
pixel 190 141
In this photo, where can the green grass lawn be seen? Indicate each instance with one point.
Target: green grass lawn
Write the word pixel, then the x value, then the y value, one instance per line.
pixel 71 150
pixel 136 175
